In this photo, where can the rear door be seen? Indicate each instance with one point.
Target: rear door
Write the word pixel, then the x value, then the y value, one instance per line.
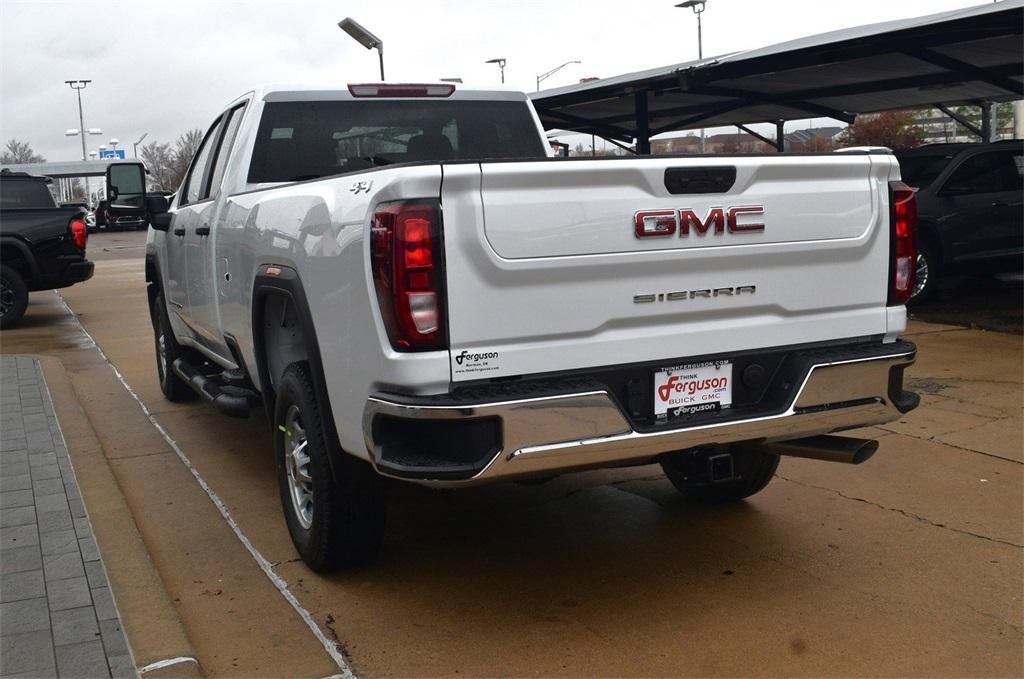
pixel 559 265
pixel 983 199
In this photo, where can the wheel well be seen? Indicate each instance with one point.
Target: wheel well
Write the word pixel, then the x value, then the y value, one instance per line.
pixel 282 340
pixel 13 257
pixel 153 281
pixel 928 236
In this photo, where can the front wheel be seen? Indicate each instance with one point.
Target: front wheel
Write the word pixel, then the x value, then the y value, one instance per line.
pixel 720 474
pixel 167 351
pixel 335 516
pixel 13 297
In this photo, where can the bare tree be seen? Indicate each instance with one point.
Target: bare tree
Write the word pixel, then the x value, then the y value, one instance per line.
pixel 17 152
pixel 168 164
pixel 159 159
pixel 184 149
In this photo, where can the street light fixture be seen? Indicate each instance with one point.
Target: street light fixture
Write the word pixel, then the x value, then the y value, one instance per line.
pixel 698 8
pixel 135 144
pixel 78 86
pixel 500 61
pixel 364 38
pixel 544 76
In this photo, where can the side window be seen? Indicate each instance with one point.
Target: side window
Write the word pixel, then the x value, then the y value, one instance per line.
pixel 224 151
pixel 990 172
pixel 195 184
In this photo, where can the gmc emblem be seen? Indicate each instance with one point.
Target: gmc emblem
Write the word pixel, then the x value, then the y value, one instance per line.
pixel 655 223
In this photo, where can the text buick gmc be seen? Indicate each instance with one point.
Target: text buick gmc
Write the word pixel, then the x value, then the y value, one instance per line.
pixel 413 289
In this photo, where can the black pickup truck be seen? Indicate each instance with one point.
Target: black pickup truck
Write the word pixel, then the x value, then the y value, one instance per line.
pixel 42 245
pixel 969 212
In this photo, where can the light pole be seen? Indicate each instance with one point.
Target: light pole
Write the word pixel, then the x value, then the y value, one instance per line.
pixel 500 61
pixel 78 86
pixel 364 38
pixel 135 144
pixel 698 8
pixel 544 76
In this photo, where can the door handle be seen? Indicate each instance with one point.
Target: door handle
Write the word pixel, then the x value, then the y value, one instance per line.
pixel 1000 203
pixel 179 231
pixel 203 230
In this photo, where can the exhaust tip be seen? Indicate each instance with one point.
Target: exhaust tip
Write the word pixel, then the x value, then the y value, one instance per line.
pixel 865 452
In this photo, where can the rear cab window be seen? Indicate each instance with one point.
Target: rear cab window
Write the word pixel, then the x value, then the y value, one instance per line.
pixel 25 194
pixel 311 139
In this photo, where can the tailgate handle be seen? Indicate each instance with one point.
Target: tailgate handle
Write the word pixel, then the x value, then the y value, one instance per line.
pixel 684 180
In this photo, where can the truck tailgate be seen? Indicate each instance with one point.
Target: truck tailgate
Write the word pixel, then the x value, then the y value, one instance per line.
pixel 563 265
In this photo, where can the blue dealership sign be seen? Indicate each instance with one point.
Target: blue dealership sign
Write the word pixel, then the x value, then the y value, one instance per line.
pixel 112 154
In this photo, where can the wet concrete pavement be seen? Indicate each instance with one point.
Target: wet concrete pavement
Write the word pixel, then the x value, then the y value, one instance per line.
pixel 908 565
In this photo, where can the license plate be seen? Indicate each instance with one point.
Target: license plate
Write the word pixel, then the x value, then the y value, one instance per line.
pixel 693 388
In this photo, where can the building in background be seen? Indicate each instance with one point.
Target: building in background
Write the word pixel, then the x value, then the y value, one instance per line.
pixel 941 129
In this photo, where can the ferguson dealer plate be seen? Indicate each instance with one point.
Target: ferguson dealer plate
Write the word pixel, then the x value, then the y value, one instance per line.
pixel 694 388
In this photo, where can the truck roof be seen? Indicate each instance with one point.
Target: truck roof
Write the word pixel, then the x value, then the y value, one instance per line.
pixel 307 92
pixel 24 176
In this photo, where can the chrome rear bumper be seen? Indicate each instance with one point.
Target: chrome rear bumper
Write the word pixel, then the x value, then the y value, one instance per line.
pixel 552 434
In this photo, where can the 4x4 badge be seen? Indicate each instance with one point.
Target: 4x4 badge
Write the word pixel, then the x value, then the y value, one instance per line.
pixel 361 186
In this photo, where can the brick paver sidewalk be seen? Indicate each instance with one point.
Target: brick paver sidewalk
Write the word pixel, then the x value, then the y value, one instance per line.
pixel 57 617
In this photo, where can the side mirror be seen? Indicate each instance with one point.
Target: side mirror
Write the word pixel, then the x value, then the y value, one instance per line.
pixel 159 217
pixel 126 188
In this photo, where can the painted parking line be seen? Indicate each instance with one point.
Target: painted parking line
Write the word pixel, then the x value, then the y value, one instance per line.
pixel 264 564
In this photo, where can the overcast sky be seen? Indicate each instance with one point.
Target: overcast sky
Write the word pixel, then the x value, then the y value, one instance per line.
pixel 163 66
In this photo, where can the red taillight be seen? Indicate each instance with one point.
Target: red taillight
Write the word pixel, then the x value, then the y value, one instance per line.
pixel 904 251
pixel 407 264
pixel 79 232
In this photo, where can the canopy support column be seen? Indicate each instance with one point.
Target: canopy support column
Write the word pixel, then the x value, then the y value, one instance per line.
pixel 988 122
pixel 780 135
pixel 643 124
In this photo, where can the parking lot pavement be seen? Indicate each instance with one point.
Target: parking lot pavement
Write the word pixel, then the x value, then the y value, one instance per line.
pixel 908 565
pixel 57 615
pixel 985 302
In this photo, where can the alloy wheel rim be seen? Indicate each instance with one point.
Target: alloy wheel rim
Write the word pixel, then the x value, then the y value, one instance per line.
pixel 161 355
pixel 297 464
pixel 6 297
pixel 920 275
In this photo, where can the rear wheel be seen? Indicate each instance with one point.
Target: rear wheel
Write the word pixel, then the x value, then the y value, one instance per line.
pixel 13 297
pixel 167 351
pixel 925 274
pixel 335 516
pixel 720 474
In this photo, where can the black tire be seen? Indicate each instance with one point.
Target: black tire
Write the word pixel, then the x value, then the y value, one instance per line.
pixel 167 351
pixel 336 520
pixel 753 468
pixel 928 270
pixel 13 297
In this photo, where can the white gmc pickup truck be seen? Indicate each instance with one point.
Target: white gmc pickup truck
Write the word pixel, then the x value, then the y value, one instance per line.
pixel 413 289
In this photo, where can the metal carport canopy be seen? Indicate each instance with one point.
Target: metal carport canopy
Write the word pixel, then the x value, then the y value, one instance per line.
pixel 67 168
pixel 964 56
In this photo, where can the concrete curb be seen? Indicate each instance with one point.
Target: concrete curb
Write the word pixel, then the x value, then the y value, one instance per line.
pixel 149 618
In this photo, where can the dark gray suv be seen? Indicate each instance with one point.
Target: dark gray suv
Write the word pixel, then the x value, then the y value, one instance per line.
pixel 969 199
